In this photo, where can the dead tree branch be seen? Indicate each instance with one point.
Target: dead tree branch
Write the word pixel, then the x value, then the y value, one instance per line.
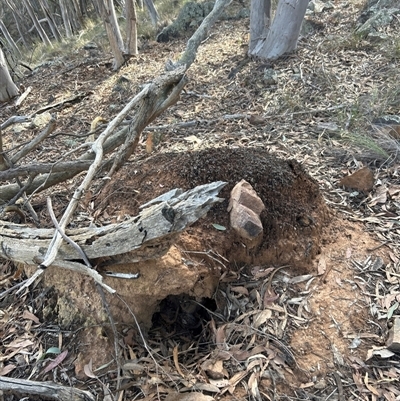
pixel 146 236
pixel 44 389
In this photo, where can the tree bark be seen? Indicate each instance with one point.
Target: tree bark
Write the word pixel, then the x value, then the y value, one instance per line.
pixel 18 21
pixel 9 38
pixel 260 20
pixel 44 389
pixel 8 89
pixel 154 16
pixel 284 32
pixel 107 12
pixel 151 227
pixel 36 23
pixel 131 27
pixel 50 20
pixel 66 20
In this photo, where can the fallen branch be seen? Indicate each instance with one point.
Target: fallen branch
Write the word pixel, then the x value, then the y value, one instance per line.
pixel 146 236
pixel 44 389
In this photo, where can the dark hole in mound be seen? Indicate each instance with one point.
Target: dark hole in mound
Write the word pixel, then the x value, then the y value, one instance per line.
pixel 183 317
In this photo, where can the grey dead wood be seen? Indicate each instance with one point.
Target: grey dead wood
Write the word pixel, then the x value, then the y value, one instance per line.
pixel 155 98
pixel 44 389
pixel 145 236
pixel 167 87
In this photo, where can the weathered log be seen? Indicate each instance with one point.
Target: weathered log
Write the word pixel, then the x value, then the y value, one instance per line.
pixel 44 389
pixel 144 236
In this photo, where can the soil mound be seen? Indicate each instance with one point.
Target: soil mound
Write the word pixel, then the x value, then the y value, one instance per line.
pixel 295 211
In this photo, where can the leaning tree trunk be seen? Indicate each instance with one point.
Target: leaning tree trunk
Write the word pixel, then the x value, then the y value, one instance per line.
pixel 154 16
pixel 36 23
pixel 8 89
pixel 281 37
pixel 9 39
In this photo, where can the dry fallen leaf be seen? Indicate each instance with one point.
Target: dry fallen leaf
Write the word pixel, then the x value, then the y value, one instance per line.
pixel 176 361
pixel 5 370
pixel 58 359
pixel 30 316
pixel 89 371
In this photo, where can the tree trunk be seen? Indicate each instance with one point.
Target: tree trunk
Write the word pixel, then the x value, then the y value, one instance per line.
pixel 108 15
pixel 66 20
pixel 131 27
pixel 260 20
pixel 38 27
pixel 8 89
pixel 18 21
pixel 282 37
pixel 50 19
pixel 9 39
pixel 152 11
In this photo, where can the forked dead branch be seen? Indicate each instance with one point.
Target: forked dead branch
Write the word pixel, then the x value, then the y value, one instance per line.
pixel 153 100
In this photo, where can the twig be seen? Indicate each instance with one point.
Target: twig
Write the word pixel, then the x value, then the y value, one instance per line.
pixel 62 233
pixel 51 126
pixel 14 120
pixel 98 149
pixel 198 37
pixel 339 386
pixel 23 97
pixel 58 166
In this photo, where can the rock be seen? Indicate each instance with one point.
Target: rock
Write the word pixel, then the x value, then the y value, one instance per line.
pixel 393 342
pixel 328 126
pixel 246 223
pixel 244 194
pixel 270 76
pixel 361 180
pixel 378 20
pixel 256 120
pixel 245 207
pixel 318 6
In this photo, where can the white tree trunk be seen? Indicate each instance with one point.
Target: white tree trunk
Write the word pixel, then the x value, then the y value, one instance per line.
pixel 108 15
pixel 36 22
pixel 284 32
pixel 131 27
pixel 260 20
pixel 66 20
pixel 8 89
pixel 152 11
pixel 9 38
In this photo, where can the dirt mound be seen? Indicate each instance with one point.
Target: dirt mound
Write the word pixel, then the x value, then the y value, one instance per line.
pixel 293 218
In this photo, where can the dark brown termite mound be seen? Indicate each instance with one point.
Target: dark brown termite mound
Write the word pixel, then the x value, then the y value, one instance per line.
pixel 294 214
pixel 293 220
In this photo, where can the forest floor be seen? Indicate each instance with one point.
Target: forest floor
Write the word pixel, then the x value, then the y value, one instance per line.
pixel 314 330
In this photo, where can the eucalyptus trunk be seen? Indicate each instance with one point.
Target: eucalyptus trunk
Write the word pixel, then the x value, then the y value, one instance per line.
pixel 8 89
pixel 131 27
pixel 279 37
pixel 36 23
